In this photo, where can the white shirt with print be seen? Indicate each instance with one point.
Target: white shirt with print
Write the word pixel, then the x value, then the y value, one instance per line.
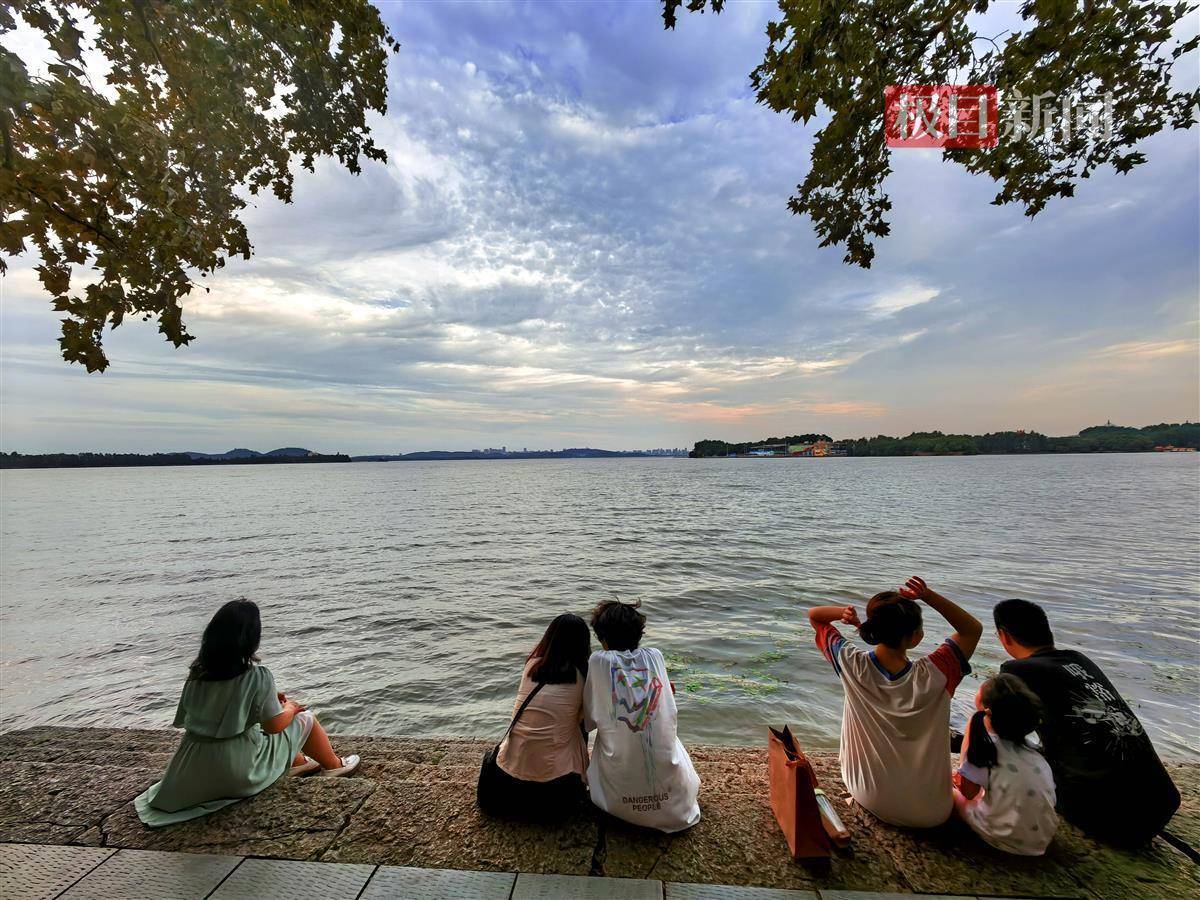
pixel 639 771
pixel 1014 809
pixel 895 750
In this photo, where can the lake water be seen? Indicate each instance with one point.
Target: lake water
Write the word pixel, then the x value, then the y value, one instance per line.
pixel 401 598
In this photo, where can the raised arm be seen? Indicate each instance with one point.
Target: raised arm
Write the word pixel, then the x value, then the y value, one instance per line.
pixel 829 615
pixel 967 628
pixel 829 640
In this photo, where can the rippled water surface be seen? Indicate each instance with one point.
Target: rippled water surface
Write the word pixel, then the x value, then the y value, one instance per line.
pixel 400 598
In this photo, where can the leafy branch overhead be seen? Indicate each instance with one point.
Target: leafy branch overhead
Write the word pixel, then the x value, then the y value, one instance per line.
pixel 139 175
pixel 840 55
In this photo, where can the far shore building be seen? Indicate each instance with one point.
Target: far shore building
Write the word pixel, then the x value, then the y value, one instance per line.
pixel 819 448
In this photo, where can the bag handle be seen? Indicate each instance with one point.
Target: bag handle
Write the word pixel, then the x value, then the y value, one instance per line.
pixel 521 709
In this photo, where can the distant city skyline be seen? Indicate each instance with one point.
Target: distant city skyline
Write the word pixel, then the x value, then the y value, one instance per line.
pixel 581 239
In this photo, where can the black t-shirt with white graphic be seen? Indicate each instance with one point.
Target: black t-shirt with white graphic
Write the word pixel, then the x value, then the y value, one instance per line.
pixel 1109 780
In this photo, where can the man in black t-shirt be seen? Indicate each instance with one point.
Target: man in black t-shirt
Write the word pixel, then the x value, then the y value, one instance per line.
pixel 1109 780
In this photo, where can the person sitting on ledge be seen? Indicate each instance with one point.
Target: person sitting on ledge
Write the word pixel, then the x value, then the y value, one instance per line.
pixel 240 734
pixel 639 772
pixel 545 753
pixel 1004 788
pixel 1109 780
pixel 895 747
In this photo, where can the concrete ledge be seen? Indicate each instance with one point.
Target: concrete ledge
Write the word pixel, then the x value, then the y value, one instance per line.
pixel 412 805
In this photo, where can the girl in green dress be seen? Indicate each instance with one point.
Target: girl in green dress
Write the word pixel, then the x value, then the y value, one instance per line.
pixel 240 733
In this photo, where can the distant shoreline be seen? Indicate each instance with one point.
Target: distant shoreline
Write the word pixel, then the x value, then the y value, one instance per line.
pixel 34 462
pixel 128 460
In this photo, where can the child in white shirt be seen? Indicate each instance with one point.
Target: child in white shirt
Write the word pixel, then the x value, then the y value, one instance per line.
pixel 1004 789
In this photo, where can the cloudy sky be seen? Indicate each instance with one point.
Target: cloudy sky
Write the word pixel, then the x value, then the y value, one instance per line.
pixel 581 238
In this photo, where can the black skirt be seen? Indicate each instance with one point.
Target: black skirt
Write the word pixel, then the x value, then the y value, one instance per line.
pixel 502 795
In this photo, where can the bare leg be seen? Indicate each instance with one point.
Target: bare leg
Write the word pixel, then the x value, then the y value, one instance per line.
pixel 960 803
pixel 300 760
pixel 318 747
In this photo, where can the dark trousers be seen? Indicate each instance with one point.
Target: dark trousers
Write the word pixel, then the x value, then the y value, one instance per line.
pixel 536 801
pixel 1120 816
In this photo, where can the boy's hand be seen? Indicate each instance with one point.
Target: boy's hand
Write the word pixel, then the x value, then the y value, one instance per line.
pixel 915 589
pixel 293 706
pixel 850 616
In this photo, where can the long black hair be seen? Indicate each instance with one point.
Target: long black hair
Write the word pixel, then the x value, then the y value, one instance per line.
pixel 562 652
pixel 1014 711
pixel 229 643
pixel 891 619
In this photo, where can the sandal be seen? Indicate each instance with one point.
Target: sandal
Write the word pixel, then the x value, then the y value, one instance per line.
pixel 349 764
pixel 309 765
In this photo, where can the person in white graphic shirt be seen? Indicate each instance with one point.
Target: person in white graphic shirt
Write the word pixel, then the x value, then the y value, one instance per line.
pixel 639 770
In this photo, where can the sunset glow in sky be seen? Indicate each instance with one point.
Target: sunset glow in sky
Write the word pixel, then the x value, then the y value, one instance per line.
pixel 581 238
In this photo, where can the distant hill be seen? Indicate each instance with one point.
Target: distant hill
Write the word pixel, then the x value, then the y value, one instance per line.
pixel 243 453
pixel 568 453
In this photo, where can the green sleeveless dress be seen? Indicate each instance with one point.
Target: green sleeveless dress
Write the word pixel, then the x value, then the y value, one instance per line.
pixel 224 756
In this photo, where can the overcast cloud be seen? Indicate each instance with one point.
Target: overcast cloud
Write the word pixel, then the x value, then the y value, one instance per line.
pixel 581 238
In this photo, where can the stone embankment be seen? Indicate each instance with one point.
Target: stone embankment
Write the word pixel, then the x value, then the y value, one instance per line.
pixel 412 804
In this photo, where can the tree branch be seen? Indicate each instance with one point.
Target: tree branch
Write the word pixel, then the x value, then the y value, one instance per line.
pixel 82 223
pixel 138 7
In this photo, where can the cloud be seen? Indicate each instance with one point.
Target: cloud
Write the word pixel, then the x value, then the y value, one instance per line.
pixel 902 298
pixel 581 235
pixel 1147 352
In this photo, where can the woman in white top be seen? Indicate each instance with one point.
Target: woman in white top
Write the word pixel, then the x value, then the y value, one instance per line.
pixel 1004 789
pixel 639 772
pixel 895 749
pixel 544 755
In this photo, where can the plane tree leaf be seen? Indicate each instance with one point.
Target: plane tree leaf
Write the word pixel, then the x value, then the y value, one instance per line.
pixel 838 56
pixel 130 184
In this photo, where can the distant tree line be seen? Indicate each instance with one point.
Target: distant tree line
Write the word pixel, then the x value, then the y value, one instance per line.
pixel 93 460
pixel 1097 439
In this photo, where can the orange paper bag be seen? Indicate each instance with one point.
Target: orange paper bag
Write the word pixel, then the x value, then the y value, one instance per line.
pixel 792 783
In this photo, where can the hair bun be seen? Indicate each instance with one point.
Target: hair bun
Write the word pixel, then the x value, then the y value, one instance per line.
pixel 867 632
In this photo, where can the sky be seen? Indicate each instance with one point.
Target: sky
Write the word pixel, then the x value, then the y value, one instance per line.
pixel 581 238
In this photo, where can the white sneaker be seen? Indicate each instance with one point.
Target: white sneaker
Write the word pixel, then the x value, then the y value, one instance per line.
pixel 349 764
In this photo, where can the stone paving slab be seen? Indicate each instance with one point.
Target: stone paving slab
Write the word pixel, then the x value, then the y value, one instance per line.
pixel 295 818
pixel 280 879
pixel 408 883
pixel 53 803
pixel 676 891
pixel 151 875
pixel 576 887
pixel 436 824
pixel 412 804
pixel 40 872
pixel 1186 822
